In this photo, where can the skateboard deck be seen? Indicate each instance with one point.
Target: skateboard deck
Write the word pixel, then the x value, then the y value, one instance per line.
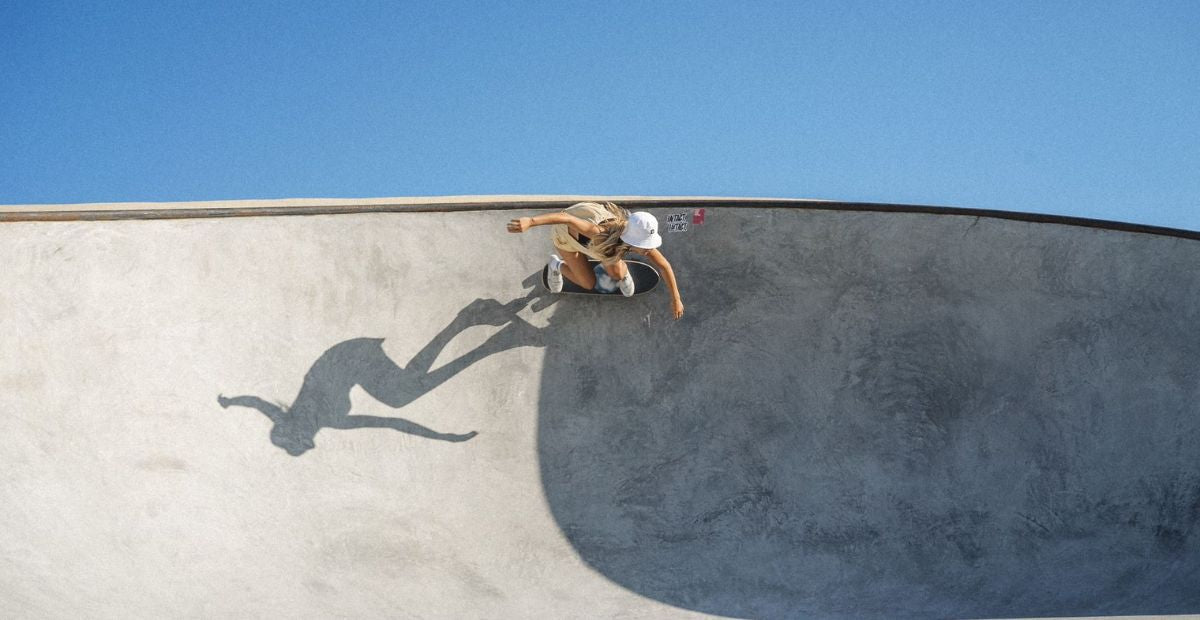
pixel 645 278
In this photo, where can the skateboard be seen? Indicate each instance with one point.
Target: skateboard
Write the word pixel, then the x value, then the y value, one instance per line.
pixel 645 278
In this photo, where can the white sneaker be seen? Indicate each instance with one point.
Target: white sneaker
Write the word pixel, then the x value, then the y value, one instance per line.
pixel 554 278
pixel 626 285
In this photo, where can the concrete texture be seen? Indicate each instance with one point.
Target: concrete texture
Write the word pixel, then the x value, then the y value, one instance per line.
pixel 382 415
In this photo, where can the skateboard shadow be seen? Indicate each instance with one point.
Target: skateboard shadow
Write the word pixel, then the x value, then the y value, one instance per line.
pixel 324 397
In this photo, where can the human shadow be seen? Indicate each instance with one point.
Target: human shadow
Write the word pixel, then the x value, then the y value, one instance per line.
pixel 324 397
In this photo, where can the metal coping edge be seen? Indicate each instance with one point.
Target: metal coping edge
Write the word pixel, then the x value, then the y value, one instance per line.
pixel 514 205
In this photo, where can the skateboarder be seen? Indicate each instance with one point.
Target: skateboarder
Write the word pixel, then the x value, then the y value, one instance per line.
pixel 603 232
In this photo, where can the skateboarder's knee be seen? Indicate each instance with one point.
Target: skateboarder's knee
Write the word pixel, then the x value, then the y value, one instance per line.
pixel 617 270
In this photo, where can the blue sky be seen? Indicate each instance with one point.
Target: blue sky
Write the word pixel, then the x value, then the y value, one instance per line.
pixel 1089 109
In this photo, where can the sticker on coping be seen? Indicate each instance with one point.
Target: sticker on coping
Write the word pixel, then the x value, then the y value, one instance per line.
pixel 698 217
pixel 677 222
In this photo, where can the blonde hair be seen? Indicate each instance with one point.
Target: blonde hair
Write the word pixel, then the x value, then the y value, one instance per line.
pixel 608 243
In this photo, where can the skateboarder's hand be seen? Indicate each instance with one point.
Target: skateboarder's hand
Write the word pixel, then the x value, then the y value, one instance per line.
pixel 677 308
pixel 520 224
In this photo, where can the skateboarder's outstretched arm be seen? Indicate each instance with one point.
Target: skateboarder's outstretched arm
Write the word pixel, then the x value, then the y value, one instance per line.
pixel 577 225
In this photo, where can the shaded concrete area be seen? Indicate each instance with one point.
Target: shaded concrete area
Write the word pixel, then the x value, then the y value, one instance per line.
pixel 891 416
pixel 381 415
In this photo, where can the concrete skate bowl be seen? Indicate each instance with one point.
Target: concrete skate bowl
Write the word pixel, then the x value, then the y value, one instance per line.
pixel 888 414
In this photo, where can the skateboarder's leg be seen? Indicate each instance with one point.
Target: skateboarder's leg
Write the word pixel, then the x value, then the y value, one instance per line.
pixel 617 270
pixel 575 268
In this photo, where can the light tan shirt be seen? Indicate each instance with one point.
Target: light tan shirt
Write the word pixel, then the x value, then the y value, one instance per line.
pixel 560 234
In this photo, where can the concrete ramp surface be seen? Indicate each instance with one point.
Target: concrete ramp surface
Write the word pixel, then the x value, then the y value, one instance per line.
pixel 863 414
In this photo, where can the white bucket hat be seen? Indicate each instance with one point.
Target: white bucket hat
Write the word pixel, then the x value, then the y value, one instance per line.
pixel 642 231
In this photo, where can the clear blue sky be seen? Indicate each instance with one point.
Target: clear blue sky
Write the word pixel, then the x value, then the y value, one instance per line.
pixel 1076 108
